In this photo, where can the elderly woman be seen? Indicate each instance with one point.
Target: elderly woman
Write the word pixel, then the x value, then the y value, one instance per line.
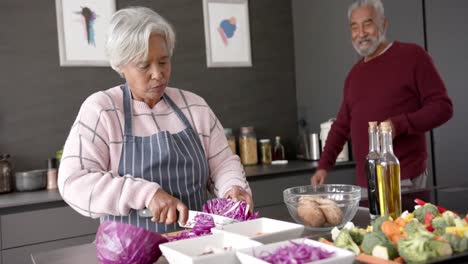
pixel 143 144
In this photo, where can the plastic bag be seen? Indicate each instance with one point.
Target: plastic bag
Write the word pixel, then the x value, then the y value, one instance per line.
pixel 119 243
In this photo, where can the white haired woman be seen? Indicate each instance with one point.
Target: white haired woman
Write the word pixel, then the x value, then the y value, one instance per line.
pixel 143 144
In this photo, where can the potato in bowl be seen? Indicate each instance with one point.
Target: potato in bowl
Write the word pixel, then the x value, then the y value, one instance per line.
pixel 322 207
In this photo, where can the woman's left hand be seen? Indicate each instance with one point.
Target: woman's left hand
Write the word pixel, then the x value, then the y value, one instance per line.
pixel 238 193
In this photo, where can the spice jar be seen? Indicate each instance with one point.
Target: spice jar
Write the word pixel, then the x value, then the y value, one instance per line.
pixel 265 150
pixel 230 139
pixel 248 146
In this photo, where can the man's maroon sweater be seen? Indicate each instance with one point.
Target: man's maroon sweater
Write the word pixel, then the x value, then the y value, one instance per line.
pixel 401 85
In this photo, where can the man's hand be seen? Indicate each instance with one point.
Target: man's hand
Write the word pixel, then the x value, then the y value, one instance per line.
pixel 165 206
pixel 238 193
pixel 318 177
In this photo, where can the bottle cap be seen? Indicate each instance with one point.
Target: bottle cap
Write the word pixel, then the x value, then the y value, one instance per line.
pixel 385 127
pixel 52 163
pixel 373 126
pixel 246 129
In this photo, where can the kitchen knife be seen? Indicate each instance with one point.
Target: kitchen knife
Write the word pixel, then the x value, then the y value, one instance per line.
pixel 219 221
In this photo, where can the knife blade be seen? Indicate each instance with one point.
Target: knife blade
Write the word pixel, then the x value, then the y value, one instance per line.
pixel 219 220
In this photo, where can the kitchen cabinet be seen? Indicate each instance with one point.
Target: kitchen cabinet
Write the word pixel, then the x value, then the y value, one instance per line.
pixel 22 255
pixel 38 221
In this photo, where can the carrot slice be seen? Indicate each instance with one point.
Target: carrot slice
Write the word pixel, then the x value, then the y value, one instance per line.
pixel 389 228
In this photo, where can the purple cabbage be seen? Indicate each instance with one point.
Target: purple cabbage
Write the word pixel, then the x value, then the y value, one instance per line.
pixel 119 243
pixel 228 208
pixel 296 253
pixel 202 226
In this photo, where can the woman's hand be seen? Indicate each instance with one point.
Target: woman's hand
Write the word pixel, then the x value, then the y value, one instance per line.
pixel 165 206
pixel 238 193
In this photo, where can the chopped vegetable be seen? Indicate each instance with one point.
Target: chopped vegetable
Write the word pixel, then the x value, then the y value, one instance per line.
pixel 389 228
pixel 345 241
pixel 439 225
pixel 441 248
pixel 457 243
pixel 421 203
pixel 378 222
pixel 428 221
pixel 415 249
pixel 420 213
pixel 228 208
pixel 373 239
pixel 357 234
pixel 295 253
pixel 381 252
pixel 203 225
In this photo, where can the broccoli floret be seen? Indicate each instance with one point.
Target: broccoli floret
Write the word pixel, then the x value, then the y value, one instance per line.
pixel 344 240
pixel 450 217
pixel 457 243
pixel 439 225
pixel 415 228
pixel 377 223
pixel 420 213
pixel 441 248
pixel 373 239
pixel 357 234
pixel 415 249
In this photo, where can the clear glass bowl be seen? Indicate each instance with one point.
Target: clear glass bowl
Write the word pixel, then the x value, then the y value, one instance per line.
pixel 333 205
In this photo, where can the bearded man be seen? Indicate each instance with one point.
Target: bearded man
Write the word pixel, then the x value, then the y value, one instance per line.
pixel 395 82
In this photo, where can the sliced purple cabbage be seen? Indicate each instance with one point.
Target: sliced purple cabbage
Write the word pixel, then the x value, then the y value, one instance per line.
pixel 219 206
pixel 202 226
pixel 228 208
pixel 296 253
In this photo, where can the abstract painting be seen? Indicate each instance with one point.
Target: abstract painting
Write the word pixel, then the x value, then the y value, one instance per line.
pixel 82 26
pixel 227 33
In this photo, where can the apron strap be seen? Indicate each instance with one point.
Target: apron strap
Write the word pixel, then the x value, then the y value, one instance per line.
pixel 178 111
pixel 127 109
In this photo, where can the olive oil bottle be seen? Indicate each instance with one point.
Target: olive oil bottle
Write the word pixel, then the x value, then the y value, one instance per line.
pixel 372 160
pixel 388 175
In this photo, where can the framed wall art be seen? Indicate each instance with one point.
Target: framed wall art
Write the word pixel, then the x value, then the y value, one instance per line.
pixel 227 33
pixel 82 26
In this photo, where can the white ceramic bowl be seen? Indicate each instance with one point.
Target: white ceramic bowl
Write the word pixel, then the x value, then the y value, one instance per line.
pixel 264 230
pixel 191 250
pixel 341 256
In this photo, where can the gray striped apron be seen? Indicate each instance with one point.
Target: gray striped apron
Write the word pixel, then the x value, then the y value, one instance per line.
pixel 176 162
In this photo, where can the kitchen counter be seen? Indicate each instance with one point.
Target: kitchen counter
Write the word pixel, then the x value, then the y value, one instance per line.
pixel 87 253
pixel 292 166
pixel 23 201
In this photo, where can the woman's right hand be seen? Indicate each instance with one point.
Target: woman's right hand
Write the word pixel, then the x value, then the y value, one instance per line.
pixel 319 177
pixel 165 206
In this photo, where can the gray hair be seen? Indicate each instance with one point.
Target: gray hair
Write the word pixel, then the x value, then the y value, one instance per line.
pixel 376 4
pixel 128 34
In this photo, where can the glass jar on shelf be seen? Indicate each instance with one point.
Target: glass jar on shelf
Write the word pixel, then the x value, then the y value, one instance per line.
pixel 230 139
pixel 248 146
pixel 265 151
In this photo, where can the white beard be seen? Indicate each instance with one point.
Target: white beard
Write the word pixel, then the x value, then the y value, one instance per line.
pixel 365 51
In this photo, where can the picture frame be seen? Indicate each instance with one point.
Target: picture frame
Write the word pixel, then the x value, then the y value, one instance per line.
pixel 227 33
pixel 81 28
